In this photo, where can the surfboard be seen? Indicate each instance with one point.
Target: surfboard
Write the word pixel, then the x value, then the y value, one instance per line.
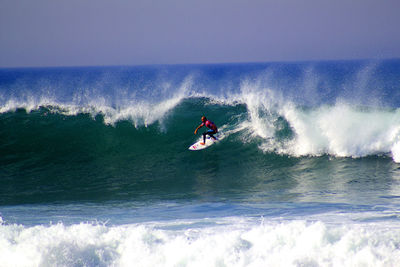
pixel 209 142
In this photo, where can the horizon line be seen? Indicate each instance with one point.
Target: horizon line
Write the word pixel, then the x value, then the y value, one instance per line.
pixel 205 63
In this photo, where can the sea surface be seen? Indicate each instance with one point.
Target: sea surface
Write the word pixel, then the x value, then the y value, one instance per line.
pixel 95 168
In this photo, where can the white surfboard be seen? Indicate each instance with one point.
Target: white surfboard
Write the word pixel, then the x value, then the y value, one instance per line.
pixel 209 141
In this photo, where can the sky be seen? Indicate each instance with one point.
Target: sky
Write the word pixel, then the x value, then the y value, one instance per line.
pixel 139 32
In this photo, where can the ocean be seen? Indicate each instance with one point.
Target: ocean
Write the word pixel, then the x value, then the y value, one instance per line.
pixel 95 168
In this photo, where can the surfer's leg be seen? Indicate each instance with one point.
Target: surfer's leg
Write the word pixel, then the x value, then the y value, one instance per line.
pixel 210 133
pixel 204 137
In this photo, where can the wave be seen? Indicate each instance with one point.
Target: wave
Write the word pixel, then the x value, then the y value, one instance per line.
pixel 230 241
pixel 342 109
pixel 45 152
pixel 101 134
pixel 262 117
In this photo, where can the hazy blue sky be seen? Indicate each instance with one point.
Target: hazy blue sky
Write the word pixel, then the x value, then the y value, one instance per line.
pixel 132 32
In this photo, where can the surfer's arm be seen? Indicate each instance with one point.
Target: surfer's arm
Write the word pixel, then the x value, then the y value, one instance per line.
pixel 201 125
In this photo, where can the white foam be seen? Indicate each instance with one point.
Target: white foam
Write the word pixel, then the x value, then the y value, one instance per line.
pixel 396 152
pixel 341 130
pixel 233 242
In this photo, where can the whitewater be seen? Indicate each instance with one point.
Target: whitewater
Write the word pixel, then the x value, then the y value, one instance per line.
pixel 95 169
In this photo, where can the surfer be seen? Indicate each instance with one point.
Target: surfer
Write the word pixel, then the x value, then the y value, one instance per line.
pixel 212 129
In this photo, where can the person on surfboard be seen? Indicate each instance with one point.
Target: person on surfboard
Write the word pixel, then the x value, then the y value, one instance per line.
pixel 212 129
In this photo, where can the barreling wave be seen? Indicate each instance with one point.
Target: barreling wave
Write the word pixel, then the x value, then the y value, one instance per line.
pixel 265 117
pixel 339 130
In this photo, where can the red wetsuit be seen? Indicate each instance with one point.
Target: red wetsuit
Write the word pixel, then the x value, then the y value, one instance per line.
pixel 211 125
